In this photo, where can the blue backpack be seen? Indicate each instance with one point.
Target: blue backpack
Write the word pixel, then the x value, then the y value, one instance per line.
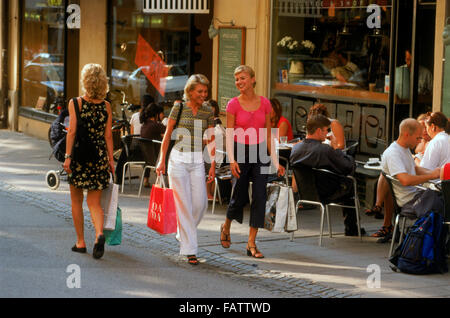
pixel 423 249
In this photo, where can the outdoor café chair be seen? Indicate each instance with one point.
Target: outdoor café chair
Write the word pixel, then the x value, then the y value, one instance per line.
pixel 128 141
pixel 307 189
pixel 397 212
pixel 150 151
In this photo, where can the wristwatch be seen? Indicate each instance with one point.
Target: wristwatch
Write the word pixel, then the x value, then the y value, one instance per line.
pixel 66 156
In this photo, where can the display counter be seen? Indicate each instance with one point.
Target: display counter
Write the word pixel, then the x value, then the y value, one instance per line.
pixel 364 114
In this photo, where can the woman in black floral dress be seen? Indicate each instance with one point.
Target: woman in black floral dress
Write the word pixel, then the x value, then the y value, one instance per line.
pixel 94 174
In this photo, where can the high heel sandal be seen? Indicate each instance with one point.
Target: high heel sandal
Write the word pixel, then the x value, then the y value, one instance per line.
pixel 192 259
pixel 250 249
pixel 227 238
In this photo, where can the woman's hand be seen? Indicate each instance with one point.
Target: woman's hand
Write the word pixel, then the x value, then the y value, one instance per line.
pixel 66 165
pixel 161 168
pixel 212 173
pixel 281 170
pixel 111 167
pixel 235 171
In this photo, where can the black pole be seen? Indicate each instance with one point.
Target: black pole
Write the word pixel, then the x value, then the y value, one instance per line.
pixel 392 64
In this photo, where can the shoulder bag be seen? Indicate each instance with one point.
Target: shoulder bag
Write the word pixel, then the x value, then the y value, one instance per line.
pixel 83 149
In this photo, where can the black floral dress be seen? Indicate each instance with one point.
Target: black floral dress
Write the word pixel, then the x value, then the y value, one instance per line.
pixel 93 175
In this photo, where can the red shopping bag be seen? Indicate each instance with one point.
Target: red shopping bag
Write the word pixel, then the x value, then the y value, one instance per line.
pixel 162 215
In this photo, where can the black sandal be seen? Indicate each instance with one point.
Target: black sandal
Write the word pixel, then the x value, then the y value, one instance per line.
pixel 81 250
pixel 192 259
pixel 384 231
pixel 99 247
pixel 375 211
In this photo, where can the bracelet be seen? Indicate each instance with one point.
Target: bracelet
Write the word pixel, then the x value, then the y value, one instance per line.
pixel 67 156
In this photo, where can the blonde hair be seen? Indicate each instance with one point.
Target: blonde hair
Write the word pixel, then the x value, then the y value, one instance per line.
pixel 192 82
pixel 94 82
pixel 246 69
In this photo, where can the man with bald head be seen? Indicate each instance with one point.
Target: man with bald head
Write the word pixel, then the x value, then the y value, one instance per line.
pixel 397 161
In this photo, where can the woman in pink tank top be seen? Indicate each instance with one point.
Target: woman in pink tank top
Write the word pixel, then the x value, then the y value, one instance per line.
pixel 248 138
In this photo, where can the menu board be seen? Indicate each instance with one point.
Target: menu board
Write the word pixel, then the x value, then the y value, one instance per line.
pixel 446 88
pixel 231 55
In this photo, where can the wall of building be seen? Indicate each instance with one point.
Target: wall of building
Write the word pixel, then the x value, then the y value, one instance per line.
pixel 254 15
pixel 93 33
pixel 13 65
pixel 441 8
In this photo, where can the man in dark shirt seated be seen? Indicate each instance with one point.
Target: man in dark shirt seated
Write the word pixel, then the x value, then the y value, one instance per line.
pixel 312 152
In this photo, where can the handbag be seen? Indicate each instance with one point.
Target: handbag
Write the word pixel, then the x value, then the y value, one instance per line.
pixel 114 237
pixel 83 149
pixel 162 215
pixel 109 202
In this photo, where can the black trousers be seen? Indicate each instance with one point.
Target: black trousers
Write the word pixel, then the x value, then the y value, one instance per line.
pixel 254 172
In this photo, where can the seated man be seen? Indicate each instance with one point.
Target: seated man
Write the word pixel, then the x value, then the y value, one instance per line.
pixel 313 153
pixel 398 162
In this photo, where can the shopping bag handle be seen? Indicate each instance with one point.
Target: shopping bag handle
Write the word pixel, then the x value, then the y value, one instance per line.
pixel 160 181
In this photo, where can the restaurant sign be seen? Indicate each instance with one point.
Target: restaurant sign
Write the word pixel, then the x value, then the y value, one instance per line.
pixel 176 6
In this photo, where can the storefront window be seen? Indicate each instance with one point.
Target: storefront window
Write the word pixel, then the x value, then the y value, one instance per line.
pixel 138 42
pixel 336 44
pixel 42 81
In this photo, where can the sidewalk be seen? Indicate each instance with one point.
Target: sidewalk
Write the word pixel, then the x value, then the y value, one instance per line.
pixel 300 268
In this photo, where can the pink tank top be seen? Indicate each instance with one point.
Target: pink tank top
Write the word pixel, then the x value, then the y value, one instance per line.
pixel 249 127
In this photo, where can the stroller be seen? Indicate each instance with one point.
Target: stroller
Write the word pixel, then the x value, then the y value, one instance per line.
pixel 57 138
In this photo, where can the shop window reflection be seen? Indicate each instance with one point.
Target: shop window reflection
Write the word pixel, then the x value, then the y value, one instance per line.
pixel 330 46
pixel 167 34
pixel 42 81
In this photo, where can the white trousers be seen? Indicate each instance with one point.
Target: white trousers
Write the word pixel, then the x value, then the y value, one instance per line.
pixel 188 183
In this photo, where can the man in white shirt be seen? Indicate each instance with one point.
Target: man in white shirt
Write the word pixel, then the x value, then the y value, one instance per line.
pixel 135 124
pixel 398 162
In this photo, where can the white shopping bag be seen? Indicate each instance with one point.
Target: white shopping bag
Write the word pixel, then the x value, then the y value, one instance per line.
pixel 282 210
pixel 109 202
pixel 291 222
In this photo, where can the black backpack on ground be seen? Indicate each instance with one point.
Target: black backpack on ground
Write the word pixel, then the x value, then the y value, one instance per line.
pixel 423 249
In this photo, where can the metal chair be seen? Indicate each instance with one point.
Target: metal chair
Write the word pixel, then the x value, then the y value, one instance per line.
pixel 150 152
pixel 397 212
pixel 309 195
pixel 128 141
pixel 219 176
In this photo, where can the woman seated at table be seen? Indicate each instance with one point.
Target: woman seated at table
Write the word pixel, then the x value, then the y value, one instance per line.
pixel 437 152
pixel 337 137
pixel 420 149
pixel 278 121
pixel 151 128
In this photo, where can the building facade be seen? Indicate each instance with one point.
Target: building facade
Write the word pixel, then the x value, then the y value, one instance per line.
pixel 371 62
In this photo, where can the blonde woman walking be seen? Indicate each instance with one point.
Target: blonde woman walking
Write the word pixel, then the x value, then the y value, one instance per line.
pixel 91 173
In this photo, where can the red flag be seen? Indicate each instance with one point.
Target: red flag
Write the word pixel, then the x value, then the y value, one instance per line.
pixel 152 65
